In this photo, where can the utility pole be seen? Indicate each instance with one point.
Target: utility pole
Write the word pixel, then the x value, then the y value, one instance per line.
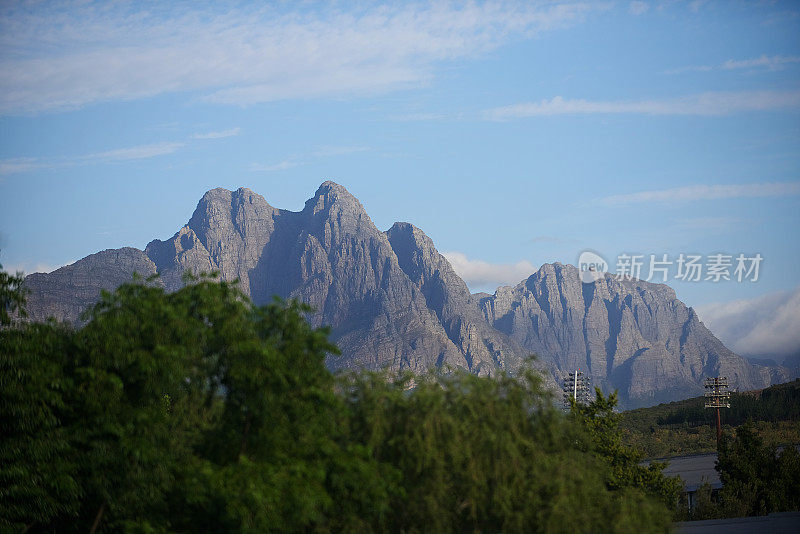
pixel 717 396
pixel 576 387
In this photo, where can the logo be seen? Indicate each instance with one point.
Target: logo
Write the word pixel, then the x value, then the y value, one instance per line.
pixel 591 266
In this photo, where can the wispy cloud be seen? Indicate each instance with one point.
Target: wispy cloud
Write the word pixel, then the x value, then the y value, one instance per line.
pixel 695 5
pixel 20 165
pixel 704 192
pixel 25 165
pixel 638 8
pixel 218 135
pixel 481 275
pixel 136 152
pixel 706 224
pixel 762 62
pixel 767 325
pixel 66 56
pixel 296 160
pixel 713 103
pixel 281 166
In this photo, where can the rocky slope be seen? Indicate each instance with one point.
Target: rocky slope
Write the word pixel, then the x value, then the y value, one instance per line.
pixel 393 301
pixel 68 291
pixel 389 297
pixel 629 335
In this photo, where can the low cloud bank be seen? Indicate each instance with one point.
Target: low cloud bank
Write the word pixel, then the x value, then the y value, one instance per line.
pixel 767 325
pixel 484 276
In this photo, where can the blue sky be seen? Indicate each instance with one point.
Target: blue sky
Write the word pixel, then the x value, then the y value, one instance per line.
pixel 512 133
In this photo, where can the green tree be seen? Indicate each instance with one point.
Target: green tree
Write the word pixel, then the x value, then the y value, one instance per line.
pixel 745 466
pixel 39 479
pixel 487 454
pixel 756 480
pixel 12 296
pixel 194 409
pixel 270 458
pixel 606 441
pixel 198 411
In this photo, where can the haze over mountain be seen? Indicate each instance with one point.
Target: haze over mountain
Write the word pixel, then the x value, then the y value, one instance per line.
pixel 393 301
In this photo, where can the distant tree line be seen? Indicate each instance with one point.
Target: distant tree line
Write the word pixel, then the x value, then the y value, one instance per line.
pixel 756 479
pixel 776 403
pixel 197 411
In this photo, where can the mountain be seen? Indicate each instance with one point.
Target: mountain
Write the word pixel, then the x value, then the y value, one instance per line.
pixel 66 292
pixel 630 335
pixel 390 297
pixel 393 301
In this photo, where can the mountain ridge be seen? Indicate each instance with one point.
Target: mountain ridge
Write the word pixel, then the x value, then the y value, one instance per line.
pixel 392 300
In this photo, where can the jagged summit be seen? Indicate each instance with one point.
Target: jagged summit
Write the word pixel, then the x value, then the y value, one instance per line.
pixel 331 187
pixel 333 199
pixel 631 335
pixel 392 300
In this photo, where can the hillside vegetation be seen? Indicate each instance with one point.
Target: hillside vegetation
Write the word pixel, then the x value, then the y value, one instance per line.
pixel 686 427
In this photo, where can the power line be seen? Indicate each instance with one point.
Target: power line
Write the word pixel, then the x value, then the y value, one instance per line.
pixel 717 396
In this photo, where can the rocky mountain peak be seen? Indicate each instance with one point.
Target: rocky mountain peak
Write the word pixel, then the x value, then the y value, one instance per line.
pixel 333 214
pixel 630 335
pixel 223 208
pixel 226 233
pixel 414 250
pixel 332 197
pixel 424 265
pixel 392 300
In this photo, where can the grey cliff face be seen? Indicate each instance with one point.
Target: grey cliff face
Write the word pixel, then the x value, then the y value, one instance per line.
pixel 67 292
pixel 329 255
pixel 449 298
pixel 226 233
pixel 393 301
pixel 630 335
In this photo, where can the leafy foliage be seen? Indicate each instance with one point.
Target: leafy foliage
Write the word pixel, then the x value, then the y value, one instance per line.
pixel 198 411
pixel 12 297
pixel 756 479
pixel 686 427
pixel 626 472
pixel 38 470
pixel 780 402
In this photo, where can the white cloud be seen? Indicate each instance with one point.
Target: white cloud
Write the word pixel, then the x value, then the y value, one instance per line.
pixel 696 5
pixel 136 152
pixel 480 274
pixel 218 135
pixel 713 103
pixel 767 325
pixel 24 165
pixel 772 62
pixel 763 62
pixel 55 56
pixel 638 8
pixel 282 166
pixel 33 267
pixel 704 192
pixel 20 165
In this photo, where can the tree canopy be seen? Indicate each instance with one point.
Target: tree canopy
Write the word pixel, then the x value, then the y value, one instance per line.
pixel 199 411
